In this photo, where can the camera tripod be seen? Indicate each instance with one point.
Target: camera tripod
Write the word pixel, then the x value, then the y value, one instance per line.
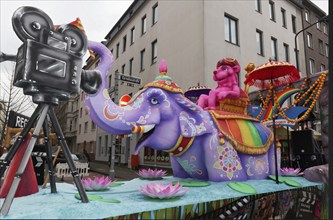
pixel 41 112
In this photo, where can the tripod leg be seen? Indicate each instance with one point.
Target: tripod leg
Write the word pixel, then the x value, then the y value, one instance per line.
pixel 49 157
pixel 11 193
pixel 12 151
pixel 68 156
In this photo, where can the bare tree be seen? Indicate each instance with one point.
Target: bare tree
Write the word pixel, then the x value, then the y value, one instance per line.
pixel 12 99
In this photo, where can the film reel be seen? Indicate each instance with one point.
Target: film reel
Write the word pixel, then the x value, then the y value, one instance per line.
pixel 79 42
pixel 29 21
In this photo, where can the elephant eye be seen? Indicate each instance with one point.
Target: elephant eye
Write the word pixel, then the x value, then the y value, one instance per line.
pixel 154 101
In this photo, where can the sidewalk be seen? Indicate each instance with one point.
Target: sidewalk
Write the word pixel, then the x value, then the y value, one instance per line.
pixel 122 172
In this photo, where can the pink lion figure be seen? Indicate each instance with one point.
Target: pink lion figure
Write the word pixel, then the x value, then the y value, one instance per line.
pixel 226 76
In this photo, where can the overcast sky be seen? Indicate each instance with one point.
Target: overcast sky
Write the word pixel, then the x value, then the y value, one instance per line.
pixel 98 17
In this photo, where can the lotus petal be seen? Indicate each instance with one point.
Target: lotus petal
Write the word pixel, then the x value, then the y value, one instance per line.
pixel 290 171
pixel 98 183
pixel 150 173
pixel 161 191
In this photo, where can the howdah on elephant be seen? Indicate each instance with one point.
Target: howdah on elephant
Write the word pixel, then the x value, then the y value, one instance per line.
pixel 208 145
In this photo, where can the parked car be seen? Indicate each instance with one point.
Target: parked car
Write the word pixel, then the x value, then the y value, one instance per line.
pixel 61 158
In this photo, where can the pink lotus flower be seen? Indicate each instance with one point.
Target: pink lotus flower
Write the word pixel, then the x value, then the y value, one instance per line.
pixel 159 190
pixel 152 174
pixel 98 183
pixel 290 171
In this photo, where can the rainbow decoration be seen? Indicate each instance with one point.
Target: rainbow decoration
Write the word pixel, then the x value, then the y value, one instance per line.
pixel 281 98
pixel 247 134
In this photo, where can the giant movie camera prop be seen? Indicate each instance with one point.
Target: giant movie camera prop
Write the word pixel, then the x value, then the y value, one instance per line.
pixel 49 62
pixel 49 68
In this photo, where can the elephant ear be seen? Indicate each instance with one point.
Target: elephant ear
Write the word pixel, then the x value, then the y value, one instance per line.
pixel 192 120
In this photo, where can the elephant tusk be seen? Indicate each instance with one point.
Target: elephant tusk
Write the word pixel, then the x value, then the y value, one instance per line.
pixel 142 129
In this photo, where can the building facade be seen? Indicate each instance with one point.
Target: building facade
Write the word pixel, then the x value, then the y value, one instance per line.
pixel 316 38
pixel 192 36
pixel 67 114
pixel 86 129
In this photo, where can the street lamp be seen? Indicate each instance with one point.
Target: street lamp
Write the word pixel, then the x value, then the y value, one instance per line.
pixel 325 18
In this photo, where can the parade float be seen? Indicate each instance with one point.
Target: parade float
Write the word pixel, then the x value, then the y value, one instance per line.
pixel 225 163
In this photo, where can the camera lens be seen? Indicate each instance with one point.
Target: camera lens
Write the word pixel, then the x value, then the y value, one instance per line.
pixel 35 25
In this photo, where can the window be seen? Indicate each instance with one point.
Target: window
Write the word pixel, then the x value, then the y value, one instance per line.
pixel 124 43
pixel 142 60
pixel 110 80
pixel 123 69
pixel 91 147
pixel 326 50
pixel 258 5
pixel 293 23
pixel 79 128
pixel 272 10
pixel 318 24
pixel 143 25
pixel 322 67
pixel 311 66
pixel 309 40
pixel 85 127
pixel 117 50
pixel 259 42
pixel 321 47
pixel 324 28
pixel 155 14
pixel 230 30
pixel 70 125
pixel 93 126
pixel 131 66
pixel 284 22
pixel 132 35
pixel 307 17
pixel 100 149
pixel 274 48
pixel 154 52
pixel 80 112
pixel 106 144
pixel 286 52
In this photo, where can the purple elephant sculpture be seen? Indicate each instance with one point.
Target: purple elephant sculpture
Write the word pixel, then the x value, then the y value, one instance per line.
pixel 207 145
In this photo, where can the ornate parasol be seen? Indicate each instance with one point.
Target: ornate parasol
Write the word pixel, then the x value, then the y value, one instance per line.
pixel 194 92
pixel 268 76
pixel 272 73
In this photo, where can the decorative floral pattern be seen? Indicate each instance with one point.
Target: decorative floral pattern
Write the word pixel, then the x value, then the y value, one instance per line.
pixel 256 166
pixel 189 167
pixel 159 93
pixel 228 160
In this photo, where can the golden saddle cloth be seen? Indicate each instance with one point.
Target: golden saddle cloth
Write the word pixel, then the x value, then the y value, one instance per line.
pixel 235 105
pixel 247 134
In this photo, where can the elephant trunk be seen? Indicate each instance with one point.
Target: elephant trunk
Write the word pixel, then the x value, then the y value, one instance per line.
pixel 105 113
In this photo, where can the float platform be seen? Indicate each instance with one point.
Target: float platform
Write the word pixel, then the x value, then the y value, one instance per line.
pixel 216 201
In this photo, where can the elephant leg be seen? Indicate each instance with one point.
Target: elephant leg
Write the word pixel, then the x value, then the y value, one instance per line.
pixel 256 166
pixel 177 169
pixel 224 164
pixel 271 159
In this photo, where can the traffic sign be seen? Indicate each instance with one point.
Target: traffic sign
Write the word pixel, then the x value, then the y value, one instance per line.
pixel 130 79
